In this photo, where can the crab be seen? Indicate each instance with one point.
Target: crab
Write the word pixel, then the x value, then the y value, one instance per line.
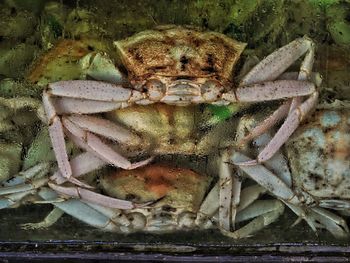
pixel 317 178
pixel 178 66
pixel 175 198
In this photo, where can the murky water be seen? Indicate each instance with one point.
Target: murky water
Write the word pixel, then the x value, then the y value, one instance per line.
pixel 44 41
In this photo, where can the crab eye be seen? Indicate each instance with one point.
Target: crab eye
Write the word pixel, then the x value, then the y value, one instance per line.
pixel 155 89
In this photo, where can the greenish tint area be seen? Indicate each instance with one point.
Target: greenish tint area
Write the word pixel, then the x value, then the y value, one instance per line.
pixel 32 5
pixel 40 150
pixel 14 60
pixel 10 159
pixel 221 113
pixel 10 88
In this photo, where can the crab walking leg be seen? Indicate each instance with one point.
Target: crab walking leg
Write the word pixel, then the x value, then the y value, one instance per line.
pixel 81 106
pixel 94 90
pixel 104 128
pixel 37 171
pixel 236 196
pixel 93 144
pixel 265 178
pixel 95 198
pixel 13 200
pixel 277 62
pixel 57 136
pixel 335 204
pixel 81 164
pixel 225 194
pixel 48 221
pixel 267 124
pixel 272 90
pixel 333 223
pixel 209 206
pixel 113 214
pixel 302 214
pixel 265 211
pixel 79 210
pixel 285 131
pixel 35 184
pixel 249 195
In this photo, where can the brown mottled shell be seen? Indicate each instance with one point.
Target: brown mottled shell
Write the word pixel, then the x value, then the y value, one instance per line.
pixel 319 155
pixel 179 52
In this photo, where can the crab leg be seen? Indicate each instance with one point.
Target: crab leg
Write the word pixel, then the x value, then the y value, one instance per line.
pixel 333 223
pixel 95 198
pixel 265 211
pixel 37 171
pixel 49 220
pixel 79 210
pixel 225 193
pixel 267 124
pixel 12 200
pixel 57 137
pixel 277 62
pixel 265 178
pixel 81 164
pixel 209 206
pixel 92 143
pixel 104 128
pixel 80 106
pixel 93 90
pixel 113 214
pixel 297 111
pixel 277 187
pixel 288 127
pixel 272 90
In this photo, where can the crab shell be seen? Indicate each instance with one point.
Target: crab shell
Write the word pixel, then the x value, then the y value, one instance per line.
pixel 180 59
pixel 175 195
pixel 319 155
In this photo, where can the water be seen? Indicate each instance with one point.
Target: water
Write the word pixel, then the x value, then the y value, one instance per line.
pixel 33 53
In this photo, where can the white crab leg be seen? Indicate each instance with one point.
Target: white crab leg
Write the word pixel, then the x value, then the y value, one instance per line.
pixel 277 62
pixel 273 90
pixel 49 220
pixel 225 192
pixel 57 137
pixel 79 210
pixel 209 206
pixel 236 198
pixel 265 178
pixel 93 144
pixel 259 207
pixel 81 164
pixel 113 214
pixel 267 212
pixel 288 127
pixel 267 124
pixel 333 223
pixel 335 204
pixel 104 128
pixel 249 195
pixel 13 199
pixel 24 187
pixel 92 197
pixel 81 106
